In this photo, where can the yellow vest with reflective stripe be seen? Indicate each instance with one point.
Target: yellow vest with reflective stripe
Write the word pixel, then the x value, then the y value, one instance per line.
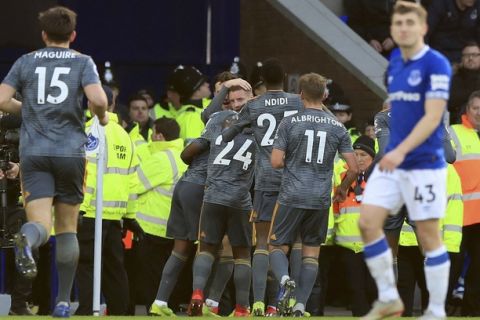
pixel 190 121
pixel 453 221
pixel 451 225
pixel 119 178
pixel 141 145
pixel 347 232
pixel 467 146
pixel 158 112
pixel 158 175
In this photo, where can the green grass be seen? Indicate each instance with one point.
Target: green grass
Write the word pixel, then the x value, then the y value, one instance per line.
pixel 150 318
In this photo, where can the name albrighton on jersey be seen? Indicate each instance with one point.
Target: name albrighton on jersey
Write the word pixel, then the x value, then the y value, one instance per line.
pixel 316 119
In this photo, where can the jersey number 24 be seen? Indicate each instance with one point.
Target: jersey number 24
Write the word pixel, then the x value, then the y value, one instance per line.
pixel 239 155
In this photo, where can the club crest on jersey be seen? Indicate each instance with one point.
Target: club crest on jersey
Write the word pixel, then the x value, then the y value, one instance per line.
pixel 414 78
pixel 92 142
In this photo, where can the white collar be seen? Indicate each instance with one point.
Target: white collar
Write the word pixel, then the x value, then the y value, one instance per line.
pixel 421 53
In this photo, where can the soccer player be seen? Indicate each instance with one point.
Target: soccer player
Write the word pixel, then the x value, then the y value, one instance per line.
pixel 264 114
pixel 305 147
pixel 226 205
pixel 412 171
pixel 187 201
pixel 52 157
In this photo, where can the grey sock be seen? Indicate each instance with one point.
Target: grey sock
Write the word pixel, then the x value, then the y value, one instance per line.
pixel 242 277
pixel 259 274
pixel 67 259
pixel 296 261
pixel 170 273
pixel 35 233
pixel 308 274
pixel 279 264
pixel 221 276
pixel 202 267
pixel 272 288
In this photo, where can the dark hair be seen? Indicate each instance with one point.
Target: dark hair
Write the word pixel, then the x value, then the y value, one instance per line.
pixel 404 7
pixel 146 91
pixel 473 95
pixel 272 72
pixel 169 128
pixel 224 76
pixel 58 23
pixel 136 97
pixel 313 85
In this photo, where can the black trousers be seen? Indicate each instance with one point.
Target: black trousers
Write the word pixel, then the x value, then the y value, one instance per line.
pixel 410 263
pixel 360 283
pixel 152 254
pixel 114 284
pixel 471 246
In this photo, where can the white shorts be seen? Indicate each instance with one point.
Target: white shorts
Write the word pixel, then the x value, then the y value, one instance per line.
pixel 423 191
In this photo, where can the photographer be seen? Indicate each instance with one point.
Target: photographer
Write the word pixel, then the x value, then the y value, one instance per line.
pixel 12 215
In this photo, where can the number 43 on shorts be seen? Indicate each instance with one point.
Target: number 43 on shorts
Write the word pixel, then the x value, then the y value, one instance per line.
pixel 424 193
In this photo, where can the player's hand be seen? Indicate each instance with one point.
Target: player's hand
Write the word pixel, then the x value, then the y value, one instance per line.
pixel 388 44
pixel 104 120
pixel 238 82
pixel 12 172
pixel 339 195
pixel 391 160
pixel 376 45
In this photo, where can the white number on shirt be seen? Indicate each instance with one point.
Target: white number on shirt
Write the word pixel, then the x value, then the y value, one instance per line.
pixel 55 82
pixel 239 155
pixel 267 139
pixel 321 145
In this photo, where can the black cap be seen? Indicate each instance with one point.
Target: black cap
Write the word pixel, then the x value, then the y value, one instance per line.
pixel 185 80
pixel 366 144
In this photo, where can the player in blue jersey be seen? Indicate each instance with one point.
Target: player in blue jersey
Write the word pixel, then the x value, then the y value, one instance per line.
pixel 413 169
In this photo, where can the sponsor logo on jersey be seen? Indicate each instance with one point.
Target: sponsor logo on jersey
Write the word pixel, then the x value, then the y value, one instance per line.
pixel 440 82
pixel 404 96
pixel 414 78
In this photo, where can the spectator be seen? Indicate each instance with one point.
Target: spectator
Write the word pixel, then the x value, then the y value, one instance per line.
pixel 467 143
pixel 451 25
pixel 370 19
pixel 465 81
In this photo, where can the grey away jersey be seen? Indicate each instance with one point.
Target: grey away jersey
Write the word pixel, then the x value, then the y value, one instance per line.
pixel 310 140
pixel 230 166
pixel 197 170
pixel 382 130
pixel 51 82
pixel 265 113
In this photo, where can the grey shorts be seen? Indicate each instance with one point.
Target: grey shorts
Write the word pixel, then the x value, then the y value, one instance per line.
pixel 217 220
pixel 60 178
pixel 263 205
pixel 288 222
pixel 185 211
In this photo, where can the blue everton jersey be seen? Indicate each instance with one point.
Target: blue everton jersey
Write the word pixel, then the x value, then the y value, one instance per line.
pixel 410 83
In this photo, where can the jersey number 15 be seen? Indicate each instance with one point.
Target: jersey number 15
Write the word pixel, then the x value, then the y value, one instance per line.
pixel 55 82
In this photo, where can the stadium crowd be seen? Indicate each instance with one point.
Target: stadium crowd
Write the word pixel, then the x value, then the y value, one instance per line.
pixel 199 215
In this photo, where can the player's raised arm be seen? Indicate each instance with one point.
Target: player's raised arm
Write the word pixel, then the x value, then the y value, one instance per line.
pixel 97 101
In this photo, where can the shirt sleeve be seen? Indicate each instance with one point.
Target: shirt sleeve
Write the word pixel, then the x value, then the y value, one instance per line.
pixel 14 76
pixel 90 73
pixel 438 82
pixel 281 138
pixel 345 143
